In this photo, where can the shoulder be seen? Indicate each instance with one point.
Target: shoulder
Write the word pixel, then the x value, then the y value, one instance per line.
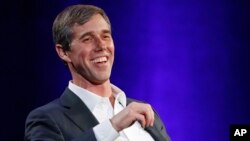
pixel 42 122
pixel 48 110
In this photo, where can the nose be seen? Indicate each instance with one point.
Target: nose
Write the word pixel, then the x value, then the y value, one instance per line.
pixel 99 44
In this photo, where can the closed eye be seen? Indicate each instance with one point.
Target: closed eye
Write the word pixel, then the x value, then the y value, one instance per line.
pixel 87 39
pixel 106 36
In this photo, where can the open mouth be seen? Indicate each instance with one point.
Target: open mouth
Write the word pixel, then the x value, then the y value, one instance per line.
pixel 98 60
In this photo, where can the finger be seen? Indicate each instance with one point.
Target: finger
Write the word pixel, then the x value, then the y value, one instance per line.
pixel 141 119
pixel 145 110
pixel 153 119
pixel 149 115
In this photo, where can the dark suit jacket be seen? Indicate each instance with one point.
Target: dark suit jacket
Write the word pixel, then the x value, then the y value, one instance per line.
pixel 68 119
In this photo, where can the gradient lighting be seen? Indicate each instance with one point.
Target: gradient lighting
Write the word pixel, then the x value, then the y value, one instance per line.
pixel 189 60
pixel 179 57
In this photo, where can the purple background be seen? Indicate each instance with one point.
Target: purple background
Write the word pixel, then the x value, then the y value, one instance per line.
pixel 189 59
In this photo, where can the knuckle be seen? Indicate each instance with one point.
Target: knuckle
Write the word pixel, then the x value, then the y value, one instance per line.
pixel 132 104
pixel 148 107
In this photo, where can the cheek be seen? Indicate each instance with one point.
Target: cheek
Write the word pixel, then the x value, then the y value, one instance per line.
pixel 111 47
pixel 80 56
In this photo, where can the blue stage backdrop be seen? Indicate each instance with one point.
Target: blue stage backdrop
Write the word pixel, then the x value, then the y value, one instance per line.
pixel 188 58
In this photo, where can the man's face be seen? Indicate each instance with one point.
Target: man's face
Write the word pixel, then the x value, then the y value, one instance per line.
pixel 92 50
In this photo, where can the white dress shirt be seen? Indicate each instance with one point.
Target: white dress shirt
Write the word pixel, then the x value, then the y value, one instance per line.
pixel 102 109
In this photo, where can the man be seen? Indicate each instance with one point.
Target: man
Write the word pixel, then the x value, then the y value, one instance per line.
pixel 91 108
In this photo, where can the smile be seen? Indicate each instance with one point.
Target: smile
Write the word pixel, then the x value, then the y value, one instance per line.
pixel 100 60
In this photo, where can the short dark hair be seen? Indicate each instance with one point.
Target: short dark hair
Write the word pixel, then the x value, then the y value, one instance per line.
pixel 80 14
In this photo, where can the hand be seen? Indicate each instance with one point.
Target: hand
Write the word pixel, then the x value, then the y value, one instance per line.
pixel 133 112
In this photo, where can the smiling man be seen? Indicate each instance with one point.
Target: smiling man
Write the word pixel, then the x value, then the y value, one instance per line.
pixel 91 108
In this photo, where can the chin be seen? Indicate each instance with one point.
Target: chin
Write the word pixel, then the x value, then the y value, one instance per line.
pixel 99 81
pixel 100 77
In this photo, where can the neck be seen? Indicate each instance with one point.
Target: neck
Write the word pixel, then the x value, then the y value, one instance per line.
pixel 103 89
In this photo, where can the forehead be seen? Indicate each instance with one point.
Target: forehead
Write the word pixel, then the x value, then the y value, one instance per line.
pixel 96 24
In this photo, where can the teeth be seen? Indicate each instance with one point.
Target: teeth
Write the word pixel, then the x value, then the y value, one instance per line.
pixel 99 60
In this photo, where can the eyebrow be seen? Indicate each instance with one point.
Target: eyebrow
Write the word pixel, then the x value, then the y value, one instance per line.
pixel 91 33
pixel 85 34
pixel 106 31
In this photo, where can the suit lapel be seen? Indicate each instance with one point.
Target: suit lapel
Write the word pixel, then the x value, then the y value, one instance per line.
pixel 156 133
pixel 77 111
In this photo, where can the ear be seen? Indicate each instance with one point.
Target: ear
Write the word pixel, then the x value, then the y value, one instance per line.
pixel 62 53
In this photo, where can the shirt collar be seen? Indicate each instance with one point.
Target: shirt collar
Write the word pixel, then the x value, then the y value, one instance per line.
pixel 119 95
pixel 92 99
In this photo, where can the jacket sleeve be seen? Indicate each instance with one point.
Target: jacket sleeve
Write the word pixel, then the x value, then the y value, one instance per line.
pixel 41 126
